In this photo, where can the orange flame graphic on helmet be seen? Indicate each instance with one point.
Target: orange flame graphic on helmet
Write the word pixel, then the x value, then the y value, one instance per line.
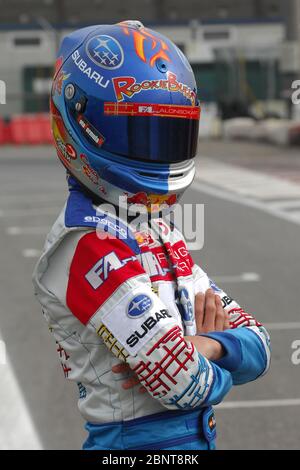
pixel 139 37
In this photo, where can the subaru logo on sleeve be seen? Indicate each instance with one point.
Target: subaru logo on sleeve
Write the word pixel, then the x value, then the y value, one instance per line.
pixel 139 305
pixel 105 51
pixel 184 305
pixel 214 287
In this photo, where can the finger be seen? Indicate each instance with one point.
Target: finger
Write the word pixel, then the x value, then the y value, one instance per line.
pixel 227 321
pixel 120 368
pixel 209 311
pixel 220 314
pixel 199 311
pixel 130 383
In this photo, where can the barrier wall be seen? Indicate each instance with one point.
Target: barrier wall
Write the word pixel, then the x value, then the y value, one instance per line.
pixel 29 129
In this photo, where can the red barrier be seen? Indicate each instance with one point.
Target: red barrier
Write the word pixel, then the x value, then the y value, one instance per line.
pixel 2 132
pixel 30 129
pixel 18 130
pixel 46 131
pixel 33 130
pixel 8 136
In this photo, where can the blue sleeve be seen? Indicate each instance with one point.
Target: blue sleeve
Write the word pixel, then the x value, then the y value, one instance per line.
pixel 208 386
pixel 247 352
pixel 221 384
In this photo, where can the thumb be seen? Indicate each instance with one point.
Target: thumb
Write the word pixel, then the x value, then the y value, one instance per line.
pixel 120 368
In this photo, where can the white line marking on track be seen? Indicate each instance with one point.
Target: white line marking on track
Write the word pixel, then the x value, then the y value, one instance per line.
pixel 30 212
pixel 26 230
pixel 2 353
pixel 232 197
pixel 244 277
pixel 268 193
pixel 38 197
pixel 30 189
pixel 286 205
pixel 246 182
pixel 283 326
pixel 17 430
pixel 31 253
pixel 230 405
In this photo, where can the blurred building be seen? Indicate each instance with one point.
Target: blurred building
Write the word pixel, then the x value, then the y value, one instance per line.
pixel 233 45
pixel 75 12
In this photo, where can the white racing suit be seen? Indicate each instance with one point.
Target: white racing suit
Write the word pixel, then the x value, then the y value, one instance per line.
pixel 130 297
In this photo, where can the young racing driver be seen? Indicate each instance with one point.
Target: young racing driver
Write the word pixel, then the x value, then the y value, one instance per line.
pixel 126 303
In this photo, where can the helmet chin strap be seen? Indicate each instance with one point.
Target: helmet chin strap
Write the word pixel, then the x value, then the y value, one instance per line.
pixel 76 185
pixel 144 216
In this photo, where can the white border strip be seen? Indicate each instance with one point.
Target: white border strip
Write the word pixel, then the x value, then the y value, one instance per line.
pixel 282 326
pixel 231 405
pixel 239 199
pixel 17 430
pixel 30 212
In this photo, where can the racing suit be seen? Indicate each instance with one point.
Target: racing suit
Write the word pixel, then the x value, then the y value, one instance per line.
pixel 130 297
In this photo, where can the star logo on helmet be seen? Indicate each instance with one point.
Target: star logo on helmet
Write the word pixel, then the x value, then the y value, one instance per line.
pixel 105 51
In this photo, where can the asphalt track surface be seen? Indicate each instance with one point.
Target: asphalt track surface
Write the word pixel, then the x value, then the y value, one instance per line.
pixel 238 239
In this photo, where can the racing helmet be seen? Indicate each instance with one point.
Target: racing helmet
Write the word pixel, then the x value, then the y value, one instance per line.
pixel 125 114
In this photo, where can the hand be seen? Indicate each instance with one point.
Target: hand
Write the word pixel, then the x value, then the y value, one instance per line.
pixel 209 313
pixel 207 347
pixel 131 381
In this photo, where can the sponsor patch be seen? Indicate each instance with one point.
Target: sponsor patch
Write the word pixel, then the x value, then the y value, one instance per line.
pixel 105 51
pixel 108 225
pixel 82 391
pixel 135 334
pixel 88 170
pixel 146 109
pixel 102 269
pixel 90 131
pixel 88 71
pixel 58 65
pixel 209 425
pixel 226 301
pixel 93 264
pixel 139 305
pixel 146 327
pixel 152 200
pixel 112 343
pixel 59 80
pixel 146 239
pixel 66 151
pixel 185 306
pixel 126 87
pixel 214 286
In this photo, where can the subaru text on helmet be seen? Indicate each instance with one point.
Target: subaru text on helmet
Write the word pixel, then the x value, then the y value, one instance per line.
pixel 125 113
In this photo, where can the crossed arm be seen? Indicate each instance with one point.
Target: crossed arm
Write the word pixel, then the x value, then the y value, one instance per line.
pixel 210 317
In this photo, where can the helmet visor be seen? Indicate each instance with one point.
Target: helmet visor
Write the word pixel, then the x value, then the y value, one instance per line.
pixel 141 131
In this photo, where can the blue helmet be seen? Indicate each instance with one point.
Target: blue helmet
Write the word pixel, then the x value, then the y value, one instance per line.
pixel 125 113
